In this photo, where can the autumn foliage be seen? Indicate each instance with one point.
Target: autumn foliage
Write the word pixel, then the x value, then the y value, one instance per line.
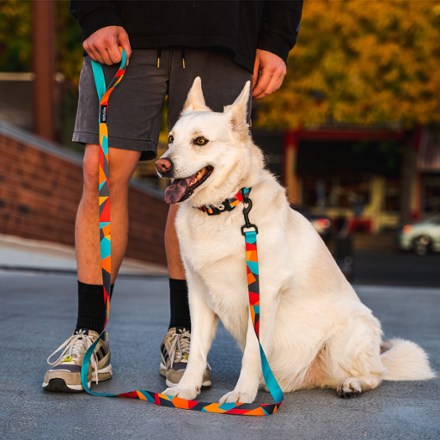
pixel 361 62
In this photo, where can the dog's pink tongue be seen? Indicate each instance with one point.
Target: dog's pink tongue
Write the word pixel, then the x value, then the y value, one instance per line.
pixel 175 192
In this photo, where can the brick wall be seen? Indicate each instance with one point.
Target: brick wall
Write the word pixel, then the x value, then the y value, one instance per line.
pixel 40 187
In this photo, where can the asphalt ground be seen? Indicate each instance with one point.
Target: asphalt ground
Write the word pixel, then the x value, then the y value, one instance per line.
pixel 37 313
pixel 392 267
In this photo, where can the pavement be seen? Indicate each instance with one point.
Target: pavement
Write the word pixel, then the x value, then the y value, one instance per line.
pixel 22 254
pixel 38 306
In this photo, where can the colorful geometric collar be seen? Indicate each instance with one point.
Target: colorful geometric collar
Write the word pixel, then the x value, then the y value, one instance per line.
pixel 226 205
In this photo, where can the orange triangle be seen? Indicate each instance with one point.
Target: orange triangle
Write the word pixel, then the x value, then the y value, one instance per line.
pixel 256 412
pixel 140 395
pixel 214 408
pixel 180 403
pixel 251 278
pixel 106 231
pixel 106 264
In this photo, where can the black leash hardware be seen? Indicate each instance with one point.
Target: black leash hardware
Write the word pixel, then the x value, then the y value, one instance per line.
pixel 247 206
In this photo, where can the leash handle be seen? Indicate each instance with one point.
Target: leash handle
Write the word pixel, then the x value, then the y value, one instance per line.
pixel 248 409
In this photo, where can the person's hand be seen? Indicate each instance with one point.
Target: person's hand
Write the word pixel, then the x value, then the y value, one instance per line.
pixel 103 45
pixel 269 73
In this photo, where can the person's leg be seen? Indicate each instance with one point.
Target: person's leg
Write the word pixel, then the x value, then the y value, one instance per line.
pixel 133 122
pixel 174 260
pixel 123 163
pixel 91 307
pixel 179 307
pixel 65 376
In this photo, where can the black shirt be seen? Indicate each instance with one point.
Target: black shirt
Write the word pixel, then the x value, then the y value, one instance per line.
pixel 240 26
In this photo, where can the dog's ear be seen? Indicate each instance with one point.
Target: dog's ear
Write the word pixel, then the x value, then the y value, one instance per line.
pixel 239 109
pixel 195 100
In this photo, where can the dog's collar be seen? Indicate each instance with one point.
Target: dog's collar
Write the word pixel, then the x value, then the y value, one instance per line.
pixel 226 205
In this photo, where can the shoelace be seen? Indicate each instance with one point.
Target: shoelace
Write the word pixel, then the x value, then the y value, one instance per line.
pixel 183 341
pixel 75 347
pixel 180 343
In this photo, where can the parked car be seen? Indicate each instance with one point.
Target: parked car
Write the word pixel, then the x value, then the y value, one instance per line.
pixel 421 237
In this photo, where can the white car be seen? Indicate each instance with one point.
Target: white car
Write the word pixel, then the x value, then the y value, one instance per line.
pixel 422 237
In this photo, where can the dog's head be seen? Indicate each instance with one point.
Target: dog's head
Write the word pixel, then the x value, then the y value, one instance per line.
pixel 206 149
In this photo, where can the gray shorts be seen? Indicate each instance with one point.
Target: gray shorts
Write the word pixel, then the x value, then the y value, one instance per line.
pixel 135 107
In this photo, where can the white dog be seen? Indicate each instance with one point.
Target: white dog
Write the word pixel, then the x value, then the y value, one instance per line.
pixel 314 329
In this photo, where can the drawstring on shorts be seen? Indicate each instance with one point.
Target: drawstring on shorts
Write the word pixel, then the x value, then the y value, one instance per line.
pixel 159 54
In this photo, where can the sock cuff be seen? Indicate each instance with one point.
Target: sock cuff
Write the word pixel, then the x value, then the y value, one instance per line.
pixel 92 289
pixel 179 307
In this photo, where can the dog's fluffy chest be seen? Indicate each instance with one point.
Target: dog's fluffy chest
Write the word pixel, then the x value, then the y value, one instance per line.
pixel 207 240
pixel 214 249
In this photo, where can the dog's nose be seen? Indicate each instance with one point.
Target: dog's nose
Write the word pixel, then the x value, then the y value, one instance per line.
pixel 164 167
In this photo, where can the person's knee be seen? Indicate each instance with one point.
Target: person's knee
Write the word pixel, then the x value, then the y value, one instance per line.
pixel 122 165
pixel 91 170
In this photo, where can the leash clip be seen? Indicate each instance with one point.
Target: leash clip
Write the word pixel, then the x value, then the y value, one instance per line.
pixel 247 206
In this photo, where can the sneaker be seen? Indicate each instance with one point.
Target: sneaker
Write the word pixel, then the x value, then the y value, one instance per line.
pixel 175 352
pixel 65 374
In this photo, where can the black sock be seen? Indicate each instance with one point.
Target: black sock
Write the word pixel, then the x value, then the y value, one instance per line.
pixel 179 307
pixel 91 307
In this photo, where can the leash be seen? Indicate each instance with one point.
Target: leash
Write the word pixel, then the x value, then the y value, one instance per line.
pixel 248 230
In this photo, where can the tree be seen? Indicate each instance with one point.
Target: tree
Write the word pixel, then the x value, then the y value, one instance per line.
pixel 361 62
pixel 16 39
pixel 15 36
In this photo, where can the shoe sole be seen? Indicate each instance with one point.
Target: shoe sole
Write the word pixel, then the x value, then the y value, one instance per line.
pixel 59 385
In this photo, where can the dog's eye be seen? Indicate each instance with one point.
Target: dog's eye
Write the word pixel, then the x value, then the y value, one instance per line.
pixel 170 139
pixel 200 140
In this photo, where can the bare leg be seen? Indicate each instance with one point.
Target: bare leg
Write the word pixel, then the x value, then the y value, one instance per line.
pixel 174 260
pixel 122 166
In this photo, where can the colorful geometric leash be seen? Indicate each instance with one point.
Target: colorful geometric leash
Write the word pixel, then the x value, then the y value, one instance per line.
pixel 248 230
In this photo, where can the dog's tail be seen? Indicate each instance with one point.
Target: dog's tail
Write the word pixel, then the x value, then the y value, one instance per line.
pixel 405 360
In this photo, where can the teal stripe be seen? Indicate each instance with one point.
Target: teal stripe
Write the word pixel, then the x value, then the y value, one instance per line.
pixel 227 406
pixel 124 59
pixel 253 266
pixel 271 382
pixel 85 370
pixel 147 396
pixel 98 74
pixel 251 237
pixel 105 247
pixel 105 145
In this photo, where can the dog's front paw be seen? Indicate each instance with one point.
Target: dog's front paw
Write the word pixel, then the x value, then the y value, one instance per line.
pixel 238 396
pixel 350 387
pixel 183 393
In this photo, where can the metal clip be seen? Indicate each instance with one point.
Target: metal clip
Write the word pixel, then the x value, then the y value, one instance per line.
pixel 247 206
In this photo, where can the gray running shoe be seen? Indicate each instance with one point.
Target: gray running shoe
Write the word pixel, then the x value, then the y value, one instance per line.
pixel 175 352
pixel 65 374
